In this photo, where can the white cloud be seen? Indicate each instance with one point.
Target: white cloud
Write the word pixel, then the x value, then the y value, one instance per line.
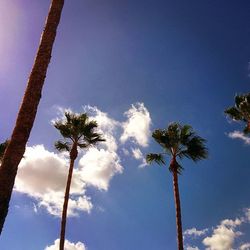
pixel 239 135
pixel 53 202
pixel 125 151
pixel 137 154
pixel 137 126
pixel 98 166
pixel 224 235
pixel 245 246
pixel 247 214
pixel 35 208
pixel 67 246
pixel 231 223
pixel 42 175
pixel 194 232
pixel 104 121
pixel 191 248
pixel 221 237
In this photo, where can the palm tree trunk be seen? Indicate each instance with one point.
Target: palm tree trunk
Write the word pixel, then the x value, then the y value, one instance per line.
pixel 178 210
pixel 28 109
pixel 73 155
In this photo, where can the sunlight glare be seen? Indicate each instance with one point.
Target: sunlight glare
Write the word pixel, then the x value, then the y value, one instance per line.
pixel 9 22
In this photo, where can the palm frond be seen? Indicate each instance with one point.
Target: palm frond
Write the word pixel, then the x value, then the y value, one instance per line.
pixel 94 138
pixel 176 167
pixel 162 137
pixel 241 110
pixel 83 145
pixel 83 117
pixel 158 158
pixel 174 134
pixel 88 128
pixel 90 125
pixel 185 134
pixel 234 113
pixel 238 100
pixel 64 129
pixel 62 146
pixel 69 116
pixel 195 149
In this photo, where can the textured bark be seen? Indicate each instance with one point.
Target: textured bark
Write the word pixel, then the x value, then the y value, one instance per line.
pixel 73 155
pixel 178 210
pixel 28 109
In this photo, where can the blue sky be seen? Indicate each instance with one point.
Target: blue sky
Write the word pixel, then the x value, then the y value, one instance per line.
pixel 134 66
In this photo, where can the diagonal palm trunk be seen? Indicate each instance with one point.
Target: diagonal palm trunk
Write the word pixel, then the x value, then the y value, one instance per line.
pixel 73 155
pixel 178 210
pixel 28 109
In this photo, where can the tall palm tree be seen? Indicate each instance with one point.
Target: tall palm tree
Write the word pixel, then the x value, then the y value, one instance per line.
pixel 241 110
pixel 178 142
pixel 28 109
pixel 77 131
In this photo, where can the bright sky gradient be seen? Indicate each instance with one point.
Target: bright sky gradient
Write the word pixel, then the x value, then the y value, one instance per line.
pixel 134 66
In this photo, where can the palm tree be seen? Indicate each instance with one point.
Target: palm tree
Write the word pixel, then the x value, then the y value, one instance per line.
pixel 241 110
pixel 178 142
pixel 26 116
pixel 77 131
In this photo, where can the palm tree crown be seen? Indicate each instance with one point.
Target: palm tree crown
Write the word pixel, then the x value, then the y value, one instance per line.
pixel 78 130
pixel 241 110
pixel 178 141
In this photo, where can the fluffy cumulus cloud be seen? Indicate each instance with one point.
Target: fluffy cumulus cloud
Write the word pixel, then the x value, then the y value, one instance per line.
pixel 222 237
pixel 245 246
pixel 68 246
pixel 98 166
pixel 42 175
pixel 239 135
pixel 137 126
pixel 194 232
